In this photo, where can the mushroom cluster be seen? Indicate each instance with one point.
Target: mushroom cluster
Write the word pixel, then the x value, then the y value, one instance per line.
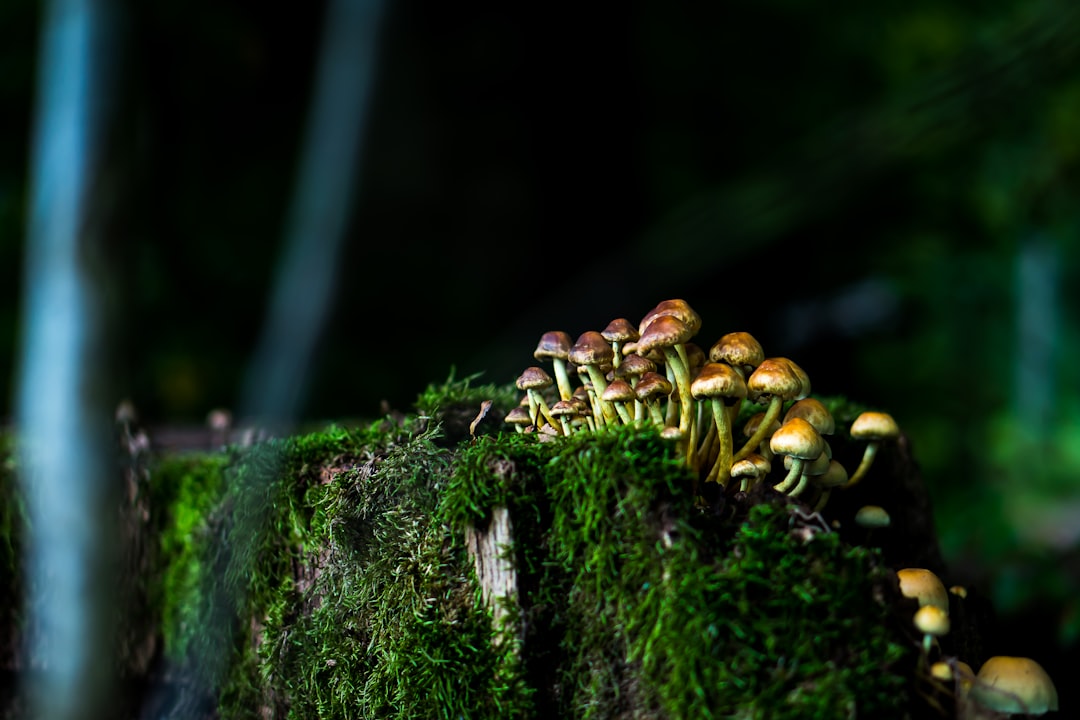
pixel 652 373
pixel 1005 685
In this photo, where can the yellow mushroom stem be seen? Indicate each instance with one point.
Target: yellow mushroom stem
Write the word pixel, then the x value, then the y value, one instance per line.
pixel 562 379
pixel 864 465
pixel 686 400
pixel 771 413
pixel 793 478
pixel 721 468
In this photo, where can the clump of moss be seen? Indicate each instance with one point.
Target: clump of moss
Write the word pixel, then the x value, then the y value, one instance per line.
pixel 667 611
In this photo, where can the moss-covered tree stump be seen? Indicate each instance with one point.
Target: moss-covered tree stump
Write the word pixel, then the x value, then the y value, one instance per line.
pixel 432 566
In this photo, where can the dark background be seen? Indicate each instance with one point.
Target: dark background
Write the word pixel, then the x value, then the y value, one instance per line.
pixel 884 192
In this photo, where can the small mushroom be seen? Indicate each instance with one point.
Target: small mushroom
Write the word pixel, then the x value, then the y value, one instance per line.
pixel 592 352
pixel 798 439
pixel 555 346
pixel 923 585
pixel 874 428
pixel 772 382
pixel 719 383
pixel 532 381
pixel 651 387
pixel 618 332
pixel 932 622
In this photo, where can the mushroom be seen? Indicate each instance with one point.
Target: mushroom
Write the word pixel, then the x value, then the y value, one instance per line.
pixel 814 412
pixel 532 381
pixel 740 350
pixel 619 394
pixel 751 470
pixel 932 622
pixel 631 368
pixel 566 411
pixel 555 345
pixel 519 418
pixel 618 332
pixel 874 427
pixel 650 388
pixel 923 585
pixel 1016 685
pixel 772 382
pixel 798 439
pixel 719 383
pixel 810 469
pixel 592 352
pixel 669 334
pixel 834 476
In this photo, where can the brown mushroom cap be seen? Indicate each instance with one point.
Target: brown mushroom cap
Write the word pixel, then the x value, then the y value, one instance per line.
pixel 664 331
pixel 518 415
pixel 553 344
pixel 591 349
pixel 1014 685
pixel 675 307
pixel 797 438
pixel 534 378
pixel 619 330
pixel 924 586
pixel 634 366
pixel 619 391
pixel 739 349
pixel 565 407
pixel 874 426
pixel 813 411
pixel 652 384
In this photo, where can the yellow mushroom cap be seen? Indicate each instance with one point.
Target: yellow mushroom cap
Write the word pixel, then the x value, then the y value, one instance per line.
pixel 797 438
pixel 753 466
pixel 924 586
pixel 932 620
pixel 942 671
pixel 774 376
pixel 814 412
pixel 1014 685
pixel 718 380
pixel 874 426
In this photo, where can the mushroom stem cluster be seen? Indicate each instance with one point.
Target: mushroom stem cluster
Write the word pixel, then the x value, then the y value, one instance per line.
pixel 652 374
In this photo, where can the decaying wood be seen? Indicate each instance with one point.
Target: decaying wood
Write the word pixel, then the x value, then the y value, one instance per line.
pixel 490 549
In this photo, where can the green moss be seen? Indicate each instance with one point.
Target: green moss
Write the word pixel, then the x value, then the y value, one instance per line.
pixel 335 563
